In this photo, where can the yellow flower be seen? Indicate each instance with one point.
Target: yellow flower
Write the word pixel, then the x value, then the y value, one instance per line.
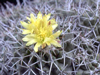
pixel 40 31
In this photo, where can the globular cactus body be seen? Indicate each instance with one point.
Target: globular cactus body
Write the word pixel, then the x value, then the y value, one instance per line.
pixel 79 22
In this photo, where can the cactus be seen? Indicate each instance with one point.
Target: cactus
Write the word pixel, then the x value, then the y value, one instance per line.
pixel 79 22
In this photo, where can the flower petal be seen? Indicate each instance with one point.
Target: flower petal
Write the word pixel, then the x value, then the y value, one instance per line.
pixel 53 23
pixel 26 39
pixel 28 18
pixel 55 35
pixel 31 42
pixel 47 16
pixel 26 31
pixel 39 16
pixel 54 26
pixel 24 24
pixel 47 41
pixel 55 43
pixel 29 37
pixel 32 16
pixel 36 47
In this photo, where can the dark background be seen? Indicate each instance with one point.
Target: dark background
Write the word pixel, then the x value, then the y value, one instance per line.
pixel 2 2
pixel 11 1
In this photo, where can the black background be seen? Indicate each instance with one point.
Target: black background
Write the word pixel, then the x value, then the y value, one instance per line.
pixel 2 2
